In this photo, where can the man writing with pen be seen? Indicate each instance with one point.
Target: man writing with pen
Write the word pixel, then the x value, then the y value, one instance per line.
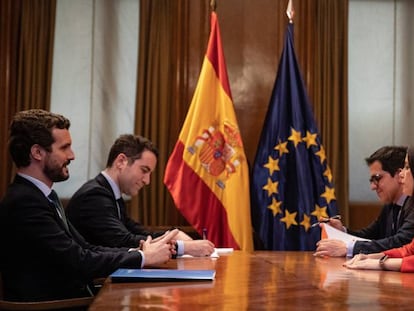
pixel 394 226
pixel 326 220
pixel 98 211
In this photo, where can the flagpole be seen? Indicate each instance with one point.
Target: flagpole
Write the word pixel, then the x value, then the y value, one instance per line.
pixel 213 5
pixel 209 155
pixel 290 12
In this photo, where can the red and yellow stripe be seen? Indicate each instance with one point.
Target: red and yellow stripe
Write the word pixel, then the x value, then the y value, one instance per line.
pixel 208 181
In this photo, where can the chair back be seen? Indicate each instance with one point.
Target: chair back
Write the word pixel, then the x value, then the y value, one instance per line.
pixel 61 304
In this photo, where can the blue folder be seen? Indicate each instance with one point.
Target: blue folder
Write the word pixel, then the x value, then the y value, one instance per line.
pixel 158 275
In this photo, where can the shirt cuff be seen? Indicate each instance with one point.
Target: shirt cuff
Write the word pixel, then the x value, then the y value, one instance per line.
pixel 180 247
pixel 350 249
pixel 143 259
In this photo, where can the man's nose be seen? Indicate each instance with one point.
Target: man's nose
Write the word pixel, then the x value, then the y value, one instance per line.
pixel 71 155
pixel 147 179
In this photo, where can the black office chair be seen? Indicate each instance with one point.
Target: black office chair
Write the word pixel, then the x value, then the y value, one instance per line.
pixel 62 304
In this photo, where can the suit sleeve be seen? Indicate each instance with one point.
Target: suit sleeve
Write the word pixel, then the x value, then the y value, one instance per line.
pixel 405 252
pixel 95 215
pixel 42 236
pixel 139 229
pixel 407 264
pixel 403 236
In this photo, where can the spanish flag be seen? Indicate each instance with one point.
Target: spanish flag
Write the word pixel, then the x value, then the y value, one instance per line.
pixel 207 172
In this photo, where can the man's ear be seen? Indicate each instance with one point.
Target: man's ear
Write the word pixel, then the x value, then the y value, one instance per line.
pixel 121 160
pixel 37 152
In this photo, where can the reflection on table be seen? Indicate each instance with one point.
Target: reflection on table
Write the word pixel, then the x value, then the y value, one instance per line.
pixel 265 280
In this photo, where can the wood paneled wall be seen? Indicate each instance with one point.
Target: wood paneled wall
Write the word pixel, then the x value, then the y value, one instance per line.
pixel 361 214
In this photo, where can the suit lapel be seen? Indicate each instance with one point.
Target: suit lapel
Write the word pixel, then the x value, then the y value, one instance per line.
pixel 101 180
pixel 20 180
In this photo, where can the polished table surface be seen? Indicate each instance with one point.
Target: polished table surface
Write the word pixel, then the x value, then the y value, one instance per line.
pixel 265 280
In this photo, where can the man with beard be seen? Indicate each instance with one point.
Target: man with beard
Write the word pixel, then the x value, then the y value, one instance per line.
pixel 43 256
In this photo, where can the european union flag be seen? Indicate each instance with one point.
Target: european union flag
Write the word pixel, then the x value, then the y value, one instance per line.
pixel 292 183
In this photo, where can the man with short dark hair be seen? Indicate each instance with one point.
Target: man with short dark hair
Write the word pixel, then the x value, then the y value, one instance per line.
pixel 394 226
pixel 43 256
pixel 97 209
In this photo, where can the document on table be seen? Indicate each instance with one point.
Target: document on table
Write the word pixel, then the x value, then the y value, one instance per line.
pixel 224 250
pixel 161 275
pixel 215 254
pixel 333 233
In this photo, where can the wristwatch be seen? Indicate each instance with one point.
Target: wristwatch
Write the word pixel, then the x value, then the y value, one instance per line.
pixel 382 262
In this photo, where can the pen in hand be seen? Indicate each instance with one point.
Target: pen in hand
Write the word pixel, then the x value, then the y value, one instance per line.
pixel 326 220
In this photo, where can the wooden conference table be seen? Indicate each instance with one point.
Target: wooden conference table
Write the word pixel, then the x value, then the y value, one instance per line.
pixel 265 280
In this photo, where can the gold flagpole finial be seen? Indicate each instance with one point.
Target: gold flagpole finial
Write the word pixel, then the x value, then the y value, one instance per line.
pixel 290 12
pixel 213 5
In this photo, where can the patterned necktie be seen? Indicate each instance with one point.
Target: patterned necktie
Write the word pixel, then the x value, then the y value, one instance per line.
pixel 58 205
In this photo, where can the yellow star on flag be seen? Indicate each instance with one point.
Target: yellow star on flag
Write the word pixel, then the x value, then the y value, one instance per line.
pixel 275 207
pixel 320 212
pixel 289 219
pixel 310 139
pixel 329 194
pixel 282 148
pixel 321 154
pixel 306 222
pixel 272 165
pixel 296 137
pixel 328 174
pixel 271 187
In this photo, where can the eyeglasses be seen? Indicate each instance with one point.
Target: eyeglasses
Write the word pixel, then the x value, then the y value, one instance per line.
pixel 375 179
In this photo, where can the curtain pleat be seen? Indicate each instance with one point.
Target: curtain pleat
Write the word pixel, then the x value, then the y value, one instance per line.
pixel 26 51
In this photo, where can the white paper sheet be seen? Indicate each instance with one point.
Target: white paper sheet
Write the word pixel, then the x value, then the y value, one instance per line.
pixel 336 234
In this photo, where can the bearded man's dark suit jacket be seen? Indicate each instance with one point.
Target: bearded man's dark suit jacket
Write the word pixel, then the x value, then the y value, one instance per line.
pixel 380 231
pixel 93 210
pixel 41 259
